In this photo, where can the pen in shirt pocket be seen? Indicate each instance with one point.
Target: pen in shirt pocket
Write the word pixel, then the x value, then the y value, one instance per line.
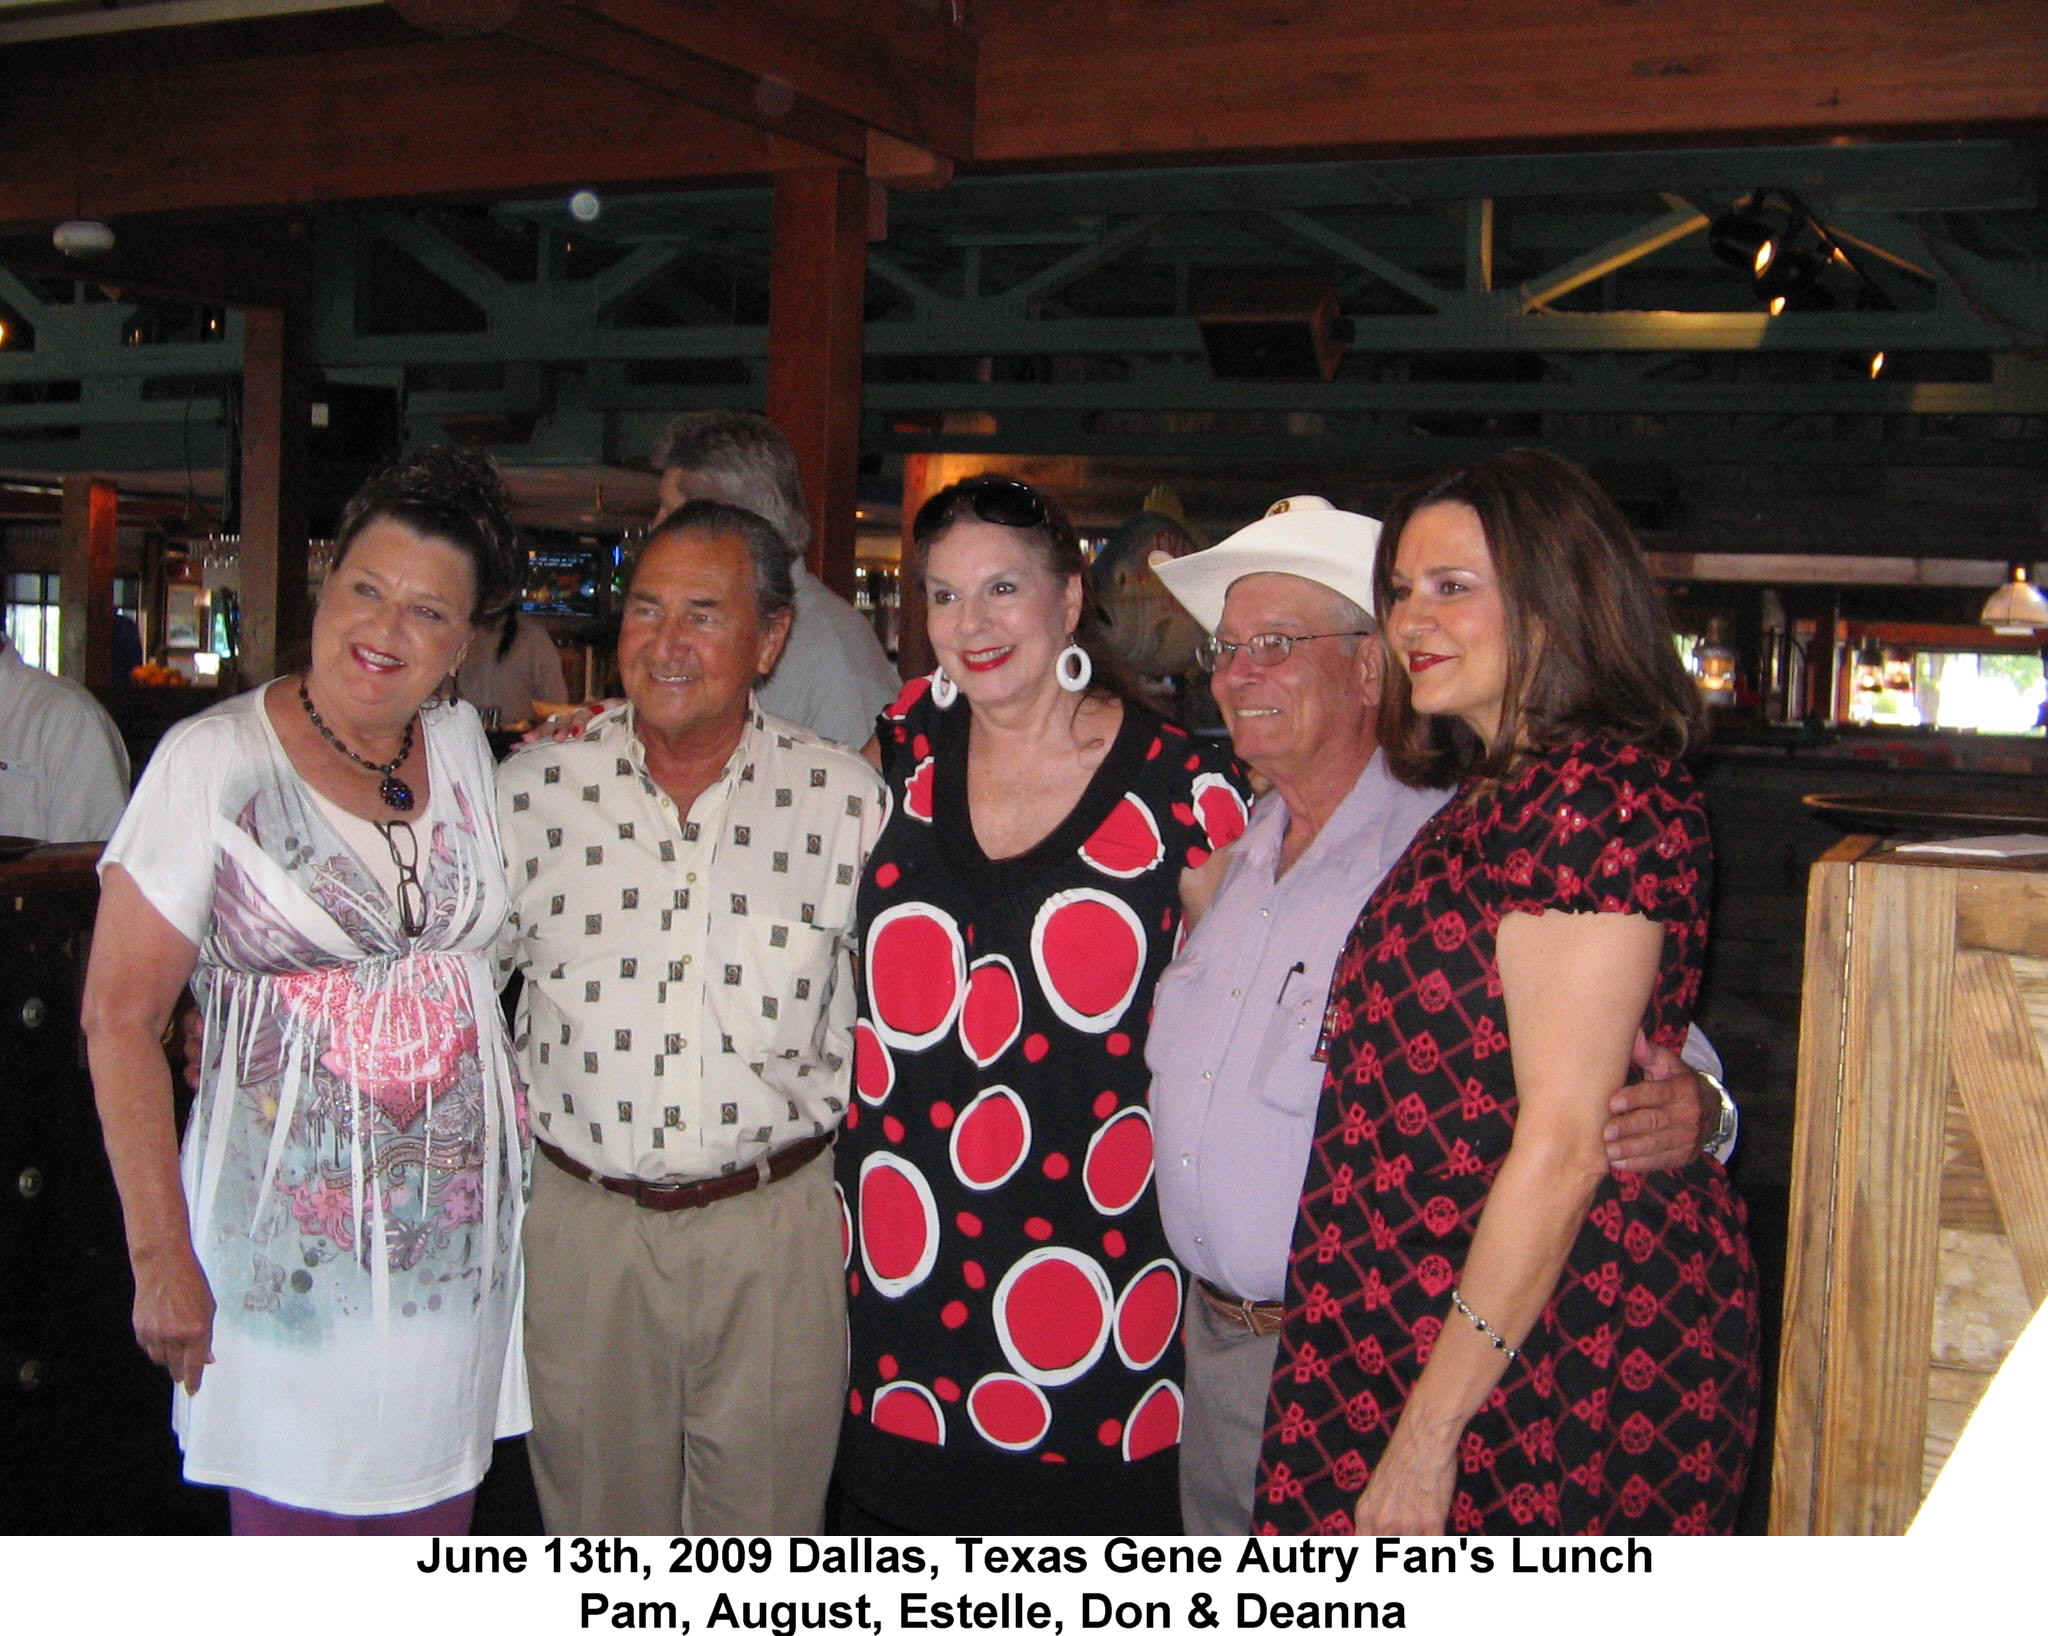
pixel 1298 969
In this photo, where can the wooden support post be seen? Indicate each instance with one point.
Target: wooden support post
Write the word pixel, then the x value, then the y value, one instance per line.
pixel 85 649
pixel 923 476
pixel 1919 1208
pixel 815 289
pixel 1866 1193
pixel 276 619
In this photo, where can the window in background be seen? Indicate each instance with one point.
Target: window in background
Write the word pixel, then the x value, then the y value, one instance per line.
pixel 1963 691
pixel 32 618
pixel 1983 692
pixel 32 613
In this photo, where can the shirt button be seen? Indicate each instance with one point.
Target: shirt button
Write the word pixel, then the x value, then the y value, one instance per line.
pixel 1265 914
pixel 1237 994
pixel 691 877
pixel 1199 1239
pixel 1208 1073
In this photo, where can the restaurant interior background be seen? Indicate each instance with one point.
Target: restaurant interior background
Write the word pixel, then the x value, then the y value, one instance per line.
pixel 1777 273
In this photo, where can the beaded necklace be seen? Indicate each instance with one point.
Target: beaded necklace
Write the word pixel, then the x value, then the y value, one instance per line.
pixel 394 791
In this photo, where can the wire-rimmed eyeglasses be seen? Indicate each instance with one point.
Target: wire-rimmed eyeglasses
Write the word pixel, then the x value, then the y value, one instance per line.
pixel 1266 649
pixel 412 896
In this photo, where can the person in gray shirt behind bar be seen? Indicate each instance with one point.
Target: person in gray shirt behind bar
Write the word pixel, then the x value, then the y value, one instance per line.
pixel 1296 670
pixel 833 677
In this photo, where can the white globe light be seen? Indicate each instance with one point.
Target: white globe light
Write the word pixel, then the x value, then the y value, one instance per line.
pixel 585 205
pixel 83 238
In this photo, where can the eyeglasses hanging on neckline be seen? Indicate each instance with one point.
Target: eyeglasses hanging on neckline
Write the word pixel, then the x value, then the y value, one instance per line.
pixel 412 896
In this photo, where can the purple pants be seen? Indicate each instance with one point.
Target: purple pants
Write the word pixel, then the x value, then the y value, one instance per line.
pixel 252 1514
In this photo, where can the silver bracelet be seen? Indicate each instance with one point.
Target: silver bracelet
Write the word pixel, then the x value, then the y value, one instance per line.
pixel 1484 1328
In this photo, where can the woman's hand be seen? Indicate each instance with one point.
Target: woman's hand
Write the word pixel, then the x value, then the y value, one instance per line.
pixel 1410 1491
pixel 566 726
pixel 174 1314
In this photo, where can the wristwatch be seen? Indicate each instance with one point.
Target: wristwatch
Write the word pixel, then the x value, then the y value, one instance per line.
pixel 1724 1127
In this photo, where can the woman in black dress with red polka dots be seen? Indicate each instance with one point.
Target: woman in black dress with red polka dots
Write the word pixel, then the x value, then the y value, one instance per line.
pixel 1487 1330
pixel 1014 1312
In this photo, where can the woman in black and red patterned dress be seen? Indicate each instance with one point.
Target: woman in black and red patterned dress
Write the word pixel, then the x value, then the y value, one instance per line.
pixel 1487 1330
pixel 1014 1313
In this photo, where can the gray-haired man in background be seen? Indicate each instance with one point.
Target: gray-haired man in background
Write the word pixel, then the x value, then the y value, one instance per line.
pixel 833 677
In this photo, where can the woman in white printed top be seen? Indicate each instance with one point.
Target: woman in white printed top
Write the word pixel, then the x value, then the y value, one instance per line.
pixel 331 1272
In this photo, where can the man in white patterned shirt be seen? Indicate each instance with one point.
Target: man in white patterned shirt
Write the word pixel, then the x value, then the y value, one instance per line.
pixel 683 882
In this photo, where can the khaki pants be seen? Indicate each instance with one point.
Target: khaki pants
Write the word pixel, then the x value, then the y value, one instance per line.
pixel 1229 1373
pixel 688 1369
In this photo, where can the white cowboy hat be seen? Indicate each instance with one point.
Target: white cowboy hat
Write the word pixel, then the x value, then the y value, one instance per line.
pixel 1305 536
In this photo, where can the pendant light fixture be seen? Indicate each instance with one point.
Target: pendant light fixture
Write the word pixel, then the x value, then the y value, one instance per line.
pixel 2016 608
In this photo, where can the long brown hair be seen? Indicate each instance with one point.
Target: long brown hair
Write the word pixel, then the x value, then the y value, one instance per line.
pixel 1590 647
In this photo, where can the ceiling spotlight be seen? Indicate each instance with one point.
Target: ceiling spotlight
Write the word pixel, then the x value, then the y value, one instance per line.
pixel 2016 608
pixel 83 238
pixel 1742 238
pixel 1815 298
pixel 1788 275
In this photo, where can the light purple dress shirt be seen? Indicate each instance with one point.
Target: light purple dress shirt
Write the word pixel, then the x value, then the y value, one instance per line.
pixel 1235 1082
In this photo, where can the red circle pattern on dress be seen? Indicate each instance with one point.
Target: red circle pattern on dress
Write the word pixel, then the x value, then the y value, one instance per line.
pixel 1052 1313
pixel 1088 950
pixel 917 792
pixel 899 1224
pixel 874 1070
pixel 1127 842
pixel 1119 1162
pixel 917 974
pixel 1008 1411
pixel 1147 1313
pixel 1155 1423
pixel 992 1015
pixel 909 1410
pixel 1221 810
pixel 990 1139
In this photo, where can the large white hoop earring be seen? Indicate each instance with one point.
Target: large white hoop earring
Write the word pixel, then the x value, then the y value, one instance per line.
pixel 1074 668
pixel 944 689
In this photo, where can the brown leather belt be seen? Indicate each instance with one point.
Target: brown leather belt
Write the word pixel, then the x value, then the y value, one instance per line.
pixel 1257 1317
pixel 695 1195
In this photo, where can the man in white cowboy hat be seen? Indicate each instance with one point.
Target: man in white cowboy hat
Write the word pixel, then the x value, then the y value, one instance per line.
pixel 1296 669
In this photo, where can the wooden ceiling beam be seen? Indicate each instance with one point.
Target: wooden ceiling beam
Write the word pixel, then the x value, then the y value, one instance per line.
pixel 113 128
pixel 582 35
pixel 1074 80
pixel 896 65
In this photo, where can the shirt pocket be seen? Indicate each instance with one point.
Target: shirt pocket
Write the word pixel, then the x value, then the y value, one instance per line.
pixel 791 972
pixel 1290 1080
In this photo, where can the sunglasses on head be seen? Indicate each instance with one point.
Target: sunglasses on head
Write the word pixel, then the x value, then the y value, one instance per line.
pixel 1000 500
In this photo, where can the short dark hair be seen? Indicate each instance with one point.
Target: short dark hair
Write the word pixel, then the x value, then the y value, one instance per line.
pixel 973 499
pixel 742 459
pixel 1590 648
pixel 449 494
pixel 774 585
